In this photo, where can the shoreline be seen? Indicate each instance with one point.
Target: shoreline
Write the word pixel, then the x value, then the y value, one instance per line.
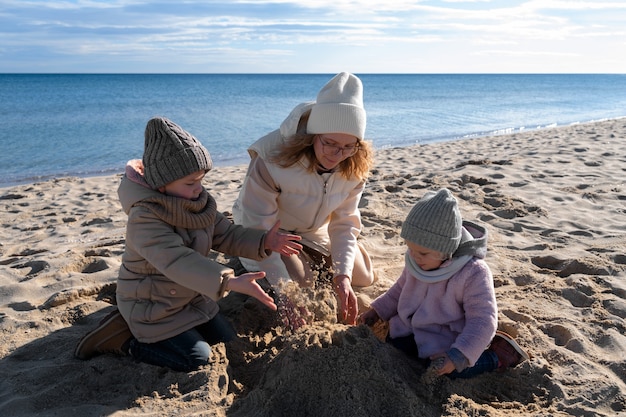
pixel 553 201
pixel 244 161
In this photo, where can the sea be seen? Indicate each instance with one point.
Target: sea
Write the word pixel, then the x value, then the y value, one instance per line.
pixel 58 125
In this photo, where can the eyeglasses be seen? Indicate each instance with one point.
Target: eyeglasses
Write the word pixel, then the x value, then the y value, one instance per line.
pixel 332 150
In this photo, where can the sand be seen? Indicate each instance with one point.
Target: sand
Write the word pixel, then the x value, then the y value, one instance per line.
pixel 554 203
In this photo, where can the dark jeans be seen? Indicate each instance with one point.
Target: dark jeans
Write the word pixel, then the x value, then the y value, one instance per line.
pixel 188 350
pixel 487 362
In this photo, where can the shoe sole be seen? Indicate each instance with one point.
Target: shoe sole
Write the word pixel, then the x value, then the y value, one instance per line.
pixel 513 343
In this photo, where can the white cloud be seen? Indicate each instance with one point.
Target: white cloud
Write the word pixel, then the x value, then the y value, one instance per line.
pixel 311 36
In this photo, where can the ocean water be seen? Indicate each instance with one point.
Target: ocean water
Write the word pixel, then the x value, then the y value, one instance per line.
pixel 56 125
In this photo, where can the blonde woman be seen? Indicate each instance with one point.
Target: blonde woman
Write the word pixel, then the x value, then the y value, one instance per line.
pixel 310 174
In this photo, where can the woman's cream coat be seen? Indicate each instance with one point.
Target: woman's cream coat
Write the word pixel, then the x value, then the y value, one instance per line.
pixel 321 208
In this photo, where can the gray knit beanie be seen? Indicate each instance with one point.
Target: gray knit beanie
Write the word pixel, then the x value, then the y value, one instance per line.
pixel 434 222
pixel 171 153
pixel 339 107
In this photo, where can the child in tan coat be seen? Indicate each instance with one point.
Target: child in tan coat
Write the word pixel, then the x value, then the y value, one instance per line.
pixel 167 287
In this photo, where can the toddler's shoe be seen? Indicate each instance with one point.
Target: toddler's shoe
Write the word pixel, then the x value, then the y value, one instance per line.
pixel 509 353
pixel 111 336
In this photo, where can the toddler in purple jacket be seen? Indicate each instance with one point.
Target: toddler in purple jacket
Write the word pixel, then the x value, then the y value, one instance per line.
pixel 443 306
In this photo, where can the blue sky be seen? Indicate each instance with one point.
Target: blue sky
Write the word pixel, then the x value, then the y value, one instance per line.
pixel 317 36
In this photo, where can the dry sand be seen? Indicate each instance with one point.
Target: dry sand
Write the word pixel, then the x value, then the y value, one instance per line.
pixel 554 201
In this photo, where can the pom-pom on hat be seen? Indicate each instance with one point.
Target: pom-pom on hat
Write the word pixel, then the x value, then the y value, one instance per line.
pixel 171 153
pixel 435 222
pixel 339 107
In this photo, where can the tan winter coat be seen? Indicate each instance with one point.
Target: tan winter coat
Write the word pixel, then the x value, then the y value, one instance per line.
pixel 166 284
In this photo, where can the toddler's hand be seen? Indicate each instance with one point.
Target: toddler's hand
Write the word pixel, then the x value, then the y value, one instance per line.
pixel 370 317
pixel 440 365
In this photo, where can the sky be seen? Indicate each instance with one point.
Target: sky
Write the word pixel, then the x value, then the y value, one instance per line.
pixel 316 36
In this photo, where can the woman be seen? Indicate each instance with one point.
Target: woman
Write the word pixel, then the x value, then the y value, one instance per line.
pixel 310 175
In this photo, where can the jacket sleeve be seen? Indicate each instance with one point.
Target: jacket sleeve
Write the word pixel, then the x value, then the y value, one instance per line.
pixel 258 198
pixel 481 311
pixel 344 227
pixel 257 207
pixel 237 240
pixel 163 248
pixel 386 305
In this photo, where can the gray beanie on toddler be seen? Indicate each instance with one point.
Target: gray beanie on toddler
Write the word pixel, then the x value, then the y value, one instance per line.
pixel 434 222
pixel 171 153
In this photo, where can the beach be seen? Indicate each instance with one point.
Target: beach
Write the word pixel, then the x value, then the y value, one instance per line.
pixel 553 201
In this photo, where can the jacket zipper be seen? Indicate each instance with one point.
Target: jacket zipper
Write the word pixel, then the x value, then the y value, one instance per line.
pixel 324 192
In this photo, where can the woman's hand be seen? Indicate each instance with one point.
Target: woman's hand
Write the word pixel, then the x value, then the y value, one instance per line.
pixel 246 284
pixel 348 306
pixel 283 243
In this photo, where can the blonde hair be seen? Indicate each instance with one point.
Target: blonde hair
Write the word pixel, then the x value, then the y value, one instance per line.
pixel 300 145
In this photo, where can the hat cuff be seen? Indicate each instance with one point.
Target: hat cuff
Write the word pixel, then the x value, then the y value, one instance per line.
pixel 177 166
pixel 337 118
pixel 430 240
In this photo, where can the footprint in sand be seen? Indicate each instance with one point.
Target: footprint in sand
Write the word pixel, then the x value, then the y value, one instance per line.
pixel 524 279
pixel 12 197
pixel 94 266
pixel 509 214
pixel 393 188
pixel 577 298
pixel 22 306
pixel 89 196
pixel 103 252
pixel 619 259
pixel 97 220
pixel 90 264
pixel 567 267
pixel 563 337
pixel 615 307
pixel 469 179
pixel 593 163
pixel 35 268
pixel 516 317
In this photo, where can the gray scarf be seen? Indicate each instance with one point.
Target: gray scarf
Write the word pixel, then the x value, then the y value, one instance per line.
pixel 444 272
pixel 468 248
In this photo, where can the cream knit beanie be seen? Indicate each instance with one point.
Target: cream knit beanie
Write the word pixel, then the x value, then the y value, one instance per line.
pixel 339 107
pixel 435 222
pixel 171 153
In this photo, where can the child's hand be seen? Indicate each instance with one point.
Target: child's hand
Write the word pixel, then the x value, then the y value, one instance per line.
pixel 246 284
pixel 283 243
pixel 370 317
pixel 440 364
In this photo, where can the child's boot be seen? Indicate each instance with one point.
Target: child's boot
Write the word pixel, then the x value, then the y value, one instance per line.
pixel 111 336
